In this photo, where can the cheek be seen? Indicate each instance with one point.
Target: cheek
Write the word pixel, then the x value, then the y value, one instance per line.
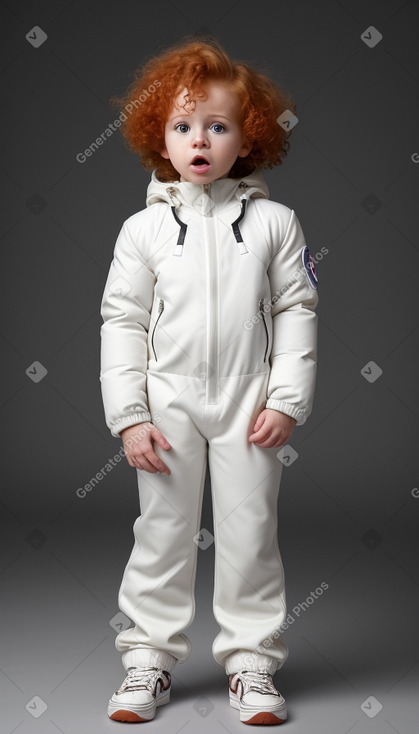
pixel 172 146
pixel 177 142
pixel 232 147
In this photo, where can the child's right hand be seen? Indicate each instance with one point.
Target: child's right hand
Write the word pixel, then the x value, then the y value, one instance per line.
pixel 138 446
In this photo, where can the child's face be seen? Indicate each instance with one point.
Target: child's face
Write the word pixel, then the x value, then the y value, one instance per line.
pixel 211 130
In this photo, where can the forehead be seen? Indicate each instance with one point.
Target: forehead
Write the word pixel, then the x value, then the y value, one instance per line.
pixel 219 100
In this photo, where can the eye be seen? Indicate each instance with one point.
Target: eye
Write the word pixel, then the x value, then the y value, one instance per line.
pixel 217 125
pixel 182 127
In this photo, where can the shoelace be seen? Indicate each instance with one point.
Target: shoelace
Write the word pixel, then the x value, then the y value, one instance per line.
pixel 259 681
pixel 138 678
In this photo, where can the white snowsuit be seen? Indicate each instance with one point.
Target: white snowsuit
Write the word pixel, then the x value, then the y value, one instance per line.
pixel 209 317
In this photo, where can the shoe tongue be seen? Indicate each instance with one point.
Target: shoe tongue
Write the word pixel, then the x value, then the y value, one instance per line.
pixel 253 672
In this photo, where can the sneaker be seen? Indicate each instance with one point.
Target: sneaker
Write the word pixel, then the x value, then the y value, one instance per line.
pixel 256 697
pixel 142 691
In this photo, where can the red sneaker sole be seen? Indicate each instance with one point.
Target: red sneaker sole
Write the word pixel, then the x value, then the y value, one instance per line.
pixel 265 717
pixel 122 715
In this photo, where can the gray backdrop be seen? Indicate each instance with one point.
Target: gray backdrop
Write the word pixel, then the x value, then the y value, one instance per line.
pixel 349 503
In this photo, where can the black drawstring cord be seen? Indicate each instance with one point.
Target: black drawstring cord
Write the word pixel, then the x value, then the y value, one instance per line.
pixel 235 226
pixel 183 227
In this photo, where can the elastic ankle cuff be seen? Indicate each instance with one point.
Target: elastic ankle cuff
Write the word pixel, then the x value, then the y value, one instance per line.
pixel 147 656
pixel 251 661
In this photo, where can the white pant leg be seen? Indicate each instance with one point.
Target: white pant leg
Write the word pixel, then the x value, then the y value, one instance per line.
pixel 157 589
pixel 249 594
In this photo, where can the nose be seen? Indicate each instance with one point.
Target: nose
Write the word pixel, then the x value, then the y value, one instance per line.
pixel 200 140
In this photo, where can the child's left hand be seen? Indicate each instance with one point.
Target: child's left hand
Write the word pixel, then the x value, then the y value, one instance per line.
pixel 272 428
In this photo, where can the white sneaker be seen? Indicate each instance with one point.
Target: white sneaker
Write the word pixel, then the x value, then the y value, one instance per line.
pixel 142 691
pixel 256 697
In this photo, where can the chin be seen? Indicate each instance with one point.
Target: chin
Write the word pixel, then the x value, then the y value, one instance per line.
pixel 200 179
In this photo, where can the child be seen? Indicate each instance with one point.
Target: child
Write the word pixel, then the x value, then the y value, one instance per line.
pixel 208 352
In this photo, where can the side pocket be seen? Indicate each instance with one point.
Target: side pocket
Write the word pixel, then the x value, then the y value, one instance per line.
pixel 160 311
pixel 261 302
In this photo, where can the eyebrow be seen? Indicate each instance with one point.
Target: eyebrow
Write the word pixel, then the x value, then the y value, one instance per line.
pixel 211 114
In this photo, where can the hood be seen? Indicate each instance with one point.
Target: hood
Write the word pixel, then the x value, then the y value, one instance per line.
pixel 223 192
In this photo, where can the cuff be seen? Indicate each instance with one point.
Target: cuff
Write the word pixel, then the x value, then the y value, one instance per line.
pixel 145 656
pixel 129 420
pixel 300 414
pixel 247 660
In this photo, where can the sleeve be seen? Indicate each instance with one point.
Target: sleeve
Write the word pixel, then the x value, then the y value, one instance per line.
pixel 125 310
pixel 293 358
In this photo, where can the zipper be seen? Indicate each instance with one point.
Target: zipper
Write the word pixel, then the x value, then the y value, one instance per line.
pixel 212 303
pixel 160 311
pixel 261 301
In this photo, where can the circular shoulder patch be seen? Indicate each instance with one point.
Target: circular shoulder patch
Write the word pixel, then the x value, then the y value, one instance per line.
pixel 309 268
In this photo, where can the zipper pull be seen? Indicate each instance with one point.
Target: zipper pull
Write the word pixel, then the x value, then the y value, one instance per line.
pixel 171 190
pixel 161 305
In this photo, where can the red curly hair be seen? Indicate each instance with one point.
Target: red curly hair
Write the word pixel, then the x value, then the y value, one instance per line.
pixel 192 63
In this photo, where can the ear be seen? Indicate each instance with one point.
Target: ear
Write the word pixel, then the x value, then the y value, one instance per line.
pixel 164 152
pixel 245 149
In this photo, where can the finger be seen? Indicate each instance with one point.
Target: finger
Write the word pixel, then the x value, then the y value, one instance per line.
pixel 259 423
pixel 265 444
pixel 161 440
pixel 145 464
pixel 156 461
pixel 271 440
pixel 281 441
pixel 259 435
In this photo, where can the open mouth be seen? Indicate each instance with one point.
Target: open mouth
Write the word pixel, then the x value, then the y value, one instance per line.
pixel 199 161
